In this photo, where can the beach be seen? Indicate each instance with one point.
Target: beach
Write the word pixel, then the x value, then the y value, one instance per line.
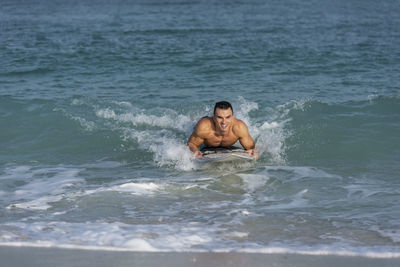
pixel 30 256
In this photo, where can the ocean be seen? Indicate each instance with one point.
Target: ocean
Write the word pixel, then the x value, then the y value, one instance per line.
pixel 98 99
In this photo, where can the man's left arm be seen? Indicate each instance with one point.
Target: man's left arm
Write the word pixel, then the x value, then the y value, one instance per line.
pixel 245 139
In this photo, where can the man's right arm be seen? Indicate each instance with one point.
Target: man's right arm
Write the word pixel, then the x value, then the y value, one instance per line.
pixel 193 145
pixel 196 139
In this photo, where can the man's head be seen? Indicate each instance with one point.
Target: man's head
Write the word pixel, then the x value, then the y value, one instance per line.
pixel 223 105
pixel 223 116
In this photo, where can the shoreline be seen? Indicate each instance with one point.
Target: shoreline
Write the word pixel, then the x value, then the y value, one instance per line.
pixel 16 256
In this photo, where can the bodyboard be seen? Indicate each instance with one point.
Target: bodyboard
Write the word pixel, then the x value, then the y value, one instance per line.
pixel 224 154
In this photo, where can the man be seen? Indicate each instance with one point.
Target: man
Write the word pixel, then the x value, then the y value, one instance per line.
pixel 221 130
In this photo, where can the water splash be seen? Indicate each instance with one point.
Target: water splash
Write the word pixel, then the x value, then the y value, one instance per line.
pixel 164 131
pixel 268 129
pixel 172 153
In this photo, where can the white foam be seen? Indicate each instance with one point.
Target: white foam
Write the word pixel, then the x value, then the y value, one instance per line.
pixel 169 152
pixel 324 252
pixel 36 204
pixel 393 234
pixel 173 120
pixel 136 188
pixel 253 181
pixel 141 137
pixel 269 125
pixel 270 139
pixel 17 173
pixel 269 134
pixel 60 213
pixel 237 235
pixel 245 212
pixel 43 187
pixel 174 237
pixel 106 113
pixel 85 124
pixel 284 109
pixel 124 104
pixel 77 102
pixel 139 245
pixel 372 97
pixel 116 236
pixel 245 107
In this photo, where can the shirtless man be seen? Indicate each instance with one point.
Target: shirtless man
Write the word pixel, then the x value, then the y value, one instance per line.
pixel 221 130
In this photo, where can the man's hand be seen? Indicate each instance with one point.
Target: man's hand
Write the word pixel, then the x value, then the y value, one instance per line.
pixel 198 153
pixel 252 152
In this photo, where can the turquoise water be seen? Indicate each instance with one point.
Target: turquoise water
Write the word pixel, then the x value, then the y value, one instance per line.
pixel 97 101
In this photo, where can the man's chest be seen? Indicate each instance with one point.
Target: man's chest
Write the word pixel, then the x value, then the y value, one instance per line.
pixel 221 140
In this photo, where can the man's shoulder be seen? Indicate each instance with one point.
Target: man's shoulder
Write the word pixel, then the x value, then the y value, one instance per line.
pixel 204 124
pixel 205 121
pixel 239 127
pixel 239 123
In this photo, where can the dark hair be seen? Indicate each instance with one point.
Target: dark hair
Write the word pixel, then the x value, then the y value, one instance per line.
pixel 223 105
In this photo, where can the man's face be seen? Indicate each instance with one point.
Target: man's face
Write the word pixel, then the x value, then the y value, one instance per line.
pixel 223 119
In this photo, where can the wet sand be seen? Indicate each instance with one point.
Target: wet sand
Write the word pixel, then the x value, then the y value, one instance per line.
pixel 46 257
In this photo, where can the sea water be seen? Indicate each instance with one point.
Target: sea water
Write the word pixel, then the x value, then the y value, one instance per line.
pixel 98 99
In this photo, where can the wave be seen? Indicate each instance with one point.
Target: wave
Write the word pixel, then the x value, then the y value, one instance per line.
pixel 302 132
pixel 352 131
